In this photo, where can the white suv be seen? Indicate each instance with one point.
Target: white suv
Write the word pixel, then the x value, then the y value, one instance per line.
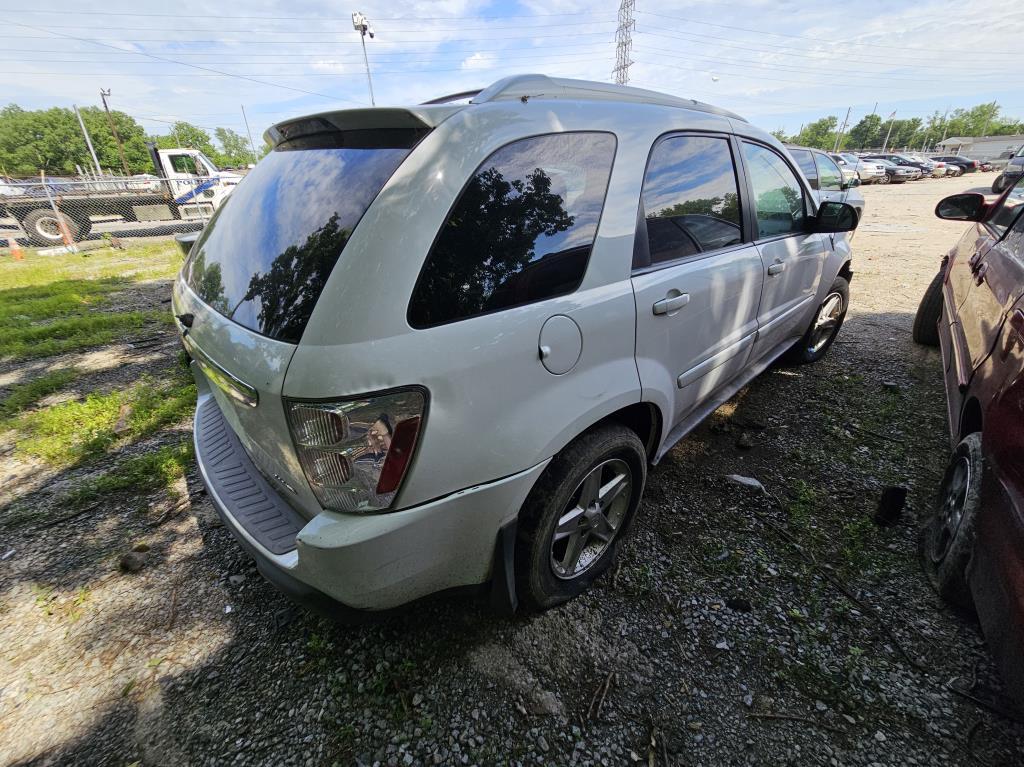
pixel 438 346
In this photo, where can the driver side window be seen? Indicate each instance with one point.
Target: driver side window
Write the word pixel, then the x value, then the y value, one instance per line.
pixel 778 196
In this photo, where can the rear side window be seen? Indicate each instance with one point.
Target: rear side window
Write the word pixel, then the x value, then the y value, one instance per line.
pixel 520 232
pixel 265 256
pixel 690 199
pixel 806 162
pixel 778 198
pixel 830 178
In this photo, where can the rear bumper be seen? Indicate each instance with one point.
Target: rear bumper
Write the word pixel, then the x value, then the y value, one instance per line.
pixel 343 563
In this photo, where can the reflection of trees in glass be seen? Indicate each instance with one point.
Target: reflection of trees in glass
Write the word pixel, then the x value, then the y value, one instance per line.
pixel 490 237
pixel 726 207
pixel 207 282
pixel 288 291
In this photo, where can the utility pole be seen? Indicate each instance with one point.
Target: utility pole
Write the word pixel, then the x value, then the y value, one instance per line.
pixel 252 146
pixel 113 129
pixel 624 42
pixel 892 119
pixel 842 131
pixel 361 24
pixel 88 141
pixel 984 131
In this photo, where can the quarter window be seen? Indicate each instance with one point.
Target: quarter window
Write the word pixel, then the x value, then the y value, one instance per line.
pixel 690 199
pixel 830 178
pixel 521 231
pixel 778 199
pixel 806 162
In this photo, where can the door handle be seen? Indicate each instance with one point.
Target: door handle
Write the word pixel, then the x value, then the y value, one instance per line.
pixel 671 304
pixel 777 268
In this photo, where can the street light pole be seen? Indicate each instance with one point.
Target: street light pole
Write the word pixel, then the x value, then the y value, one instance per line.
pixel 361 24
pixel 113 129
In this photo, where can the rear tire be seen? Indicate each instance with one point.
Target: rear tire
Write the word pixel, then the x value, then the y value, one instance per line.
pixel 824 327
pixel 947 536
pixel 553 518
pixel 926 321
pixel 885 179
pixel 42 227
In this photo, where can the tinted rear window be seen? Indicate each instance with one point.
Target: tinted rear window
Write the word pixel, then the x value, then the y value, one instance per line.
pixel 265 256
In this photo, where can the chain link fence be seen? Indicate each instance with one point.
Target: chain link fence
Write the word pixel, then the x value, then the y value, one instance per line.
pixel 55 212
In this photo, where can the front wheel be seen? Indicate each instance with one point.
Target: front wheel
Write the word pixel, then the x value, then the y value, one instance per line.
pixel 885 179
pixel 44 228
pixel 947 537
pixel 824 328
pixel 577 514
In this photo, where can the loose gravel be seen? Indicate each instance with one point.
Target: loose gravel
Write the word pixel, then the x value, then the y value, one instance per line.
pixel 741 626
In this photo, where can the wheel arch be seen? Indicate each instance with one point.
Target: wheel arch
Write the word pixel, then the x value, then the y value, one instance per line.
pixel 846 270
pixel 971 418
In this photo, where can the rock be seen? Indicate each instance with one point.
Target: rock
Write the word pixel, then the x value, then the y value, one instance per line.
pixel 820 705
pixel 236 580
pixel 890 385
pixel 739 479
pixel 132 561
pixel 849 719
pixel 141 547
pixel 543 743
pixel 417 699
pixel 748 701
pixel 722 645
pixel 744 442
pixel 880 736
pixel 739 604
pixel 123 414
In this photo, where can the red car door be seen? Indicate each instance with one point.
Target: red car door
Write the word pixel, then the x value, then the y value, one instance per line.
pixel 986 283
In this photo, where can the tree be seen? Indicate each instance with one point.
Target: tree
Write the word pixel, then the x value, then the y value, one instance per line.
pixel 51 140
pixel 186 135
pixel 865 134
pixel 820 134
pixel 780 134
pixel 235 148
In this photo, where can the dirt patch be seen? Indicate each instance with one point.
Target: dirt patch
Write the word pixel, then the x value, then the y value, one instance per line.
pixel 716 641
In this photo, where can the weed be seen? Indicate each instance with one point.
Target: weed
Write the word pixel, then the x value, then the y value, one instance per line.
pixel 23 395
pixel 142 474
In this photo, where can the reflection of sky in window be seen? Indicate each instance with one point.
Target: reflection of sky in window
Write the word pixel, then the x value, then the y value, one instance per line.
pixel 578 165
pixel 688 168
pixel 287 197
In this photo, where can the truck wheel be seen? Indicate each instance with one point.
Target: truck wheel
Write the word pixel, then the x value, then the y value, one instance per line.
pixel 947 537
pixel 926 331
pixel 42 227
pixel 824 327
pixel 999 184
pixel 576 515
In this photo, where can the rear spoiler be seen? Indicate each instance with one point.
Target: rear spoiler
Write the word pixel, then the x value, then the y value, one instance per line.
pixel 410 118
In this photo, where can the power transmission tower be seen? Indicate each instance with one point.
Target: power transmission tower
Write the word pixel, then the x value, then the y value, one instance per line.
pixel 624 42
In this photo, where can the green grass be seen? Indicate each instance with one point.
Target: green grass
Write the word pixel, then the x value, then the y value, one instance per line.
pixel 84 429
pixel 56 304
pixel 24 395
pixel 157 470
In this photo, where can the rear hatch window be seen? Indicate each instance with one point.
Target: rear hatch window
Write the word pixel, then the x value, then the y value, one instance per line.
pixel 265 257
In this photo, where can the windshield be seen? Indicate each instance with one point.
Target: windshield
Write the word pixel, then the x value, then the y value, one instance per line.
pixel 265 256
pixel 210 166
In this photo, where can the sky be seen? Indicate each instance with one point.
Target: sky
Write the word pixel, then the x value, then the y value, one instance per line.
pixel 779 63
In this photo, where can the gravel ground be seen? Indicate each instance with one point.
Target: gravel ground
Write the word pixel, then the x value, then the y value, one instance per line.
pixel 740 627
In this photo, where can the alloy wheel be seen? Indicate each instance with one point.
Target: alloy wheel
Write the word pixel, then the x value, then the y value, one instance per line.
pixel 826 321
pixel 950 511
pixel 591 519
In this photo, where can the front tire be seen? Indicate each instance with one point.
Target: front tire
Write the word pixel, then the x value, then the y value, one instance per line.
pixel 926 321
pixel 824 327
pixel 947 536
pixel 576 515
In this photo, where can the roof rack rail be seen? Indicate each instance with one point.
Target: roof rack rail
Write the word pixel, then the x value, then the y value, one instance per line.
pixel 525 87
pixel 451 97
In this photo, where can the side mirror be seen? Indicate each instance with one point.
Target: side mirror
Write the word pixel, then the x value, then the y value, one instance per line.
pixel 962 207
pixel 834 217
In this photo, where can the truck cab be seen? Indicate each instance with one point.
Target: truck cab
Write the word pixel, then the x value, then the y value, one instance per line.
pixel 196 183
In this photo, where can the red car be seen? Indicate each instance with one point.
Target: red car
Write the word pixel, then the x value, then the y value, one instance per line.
pixel 973 543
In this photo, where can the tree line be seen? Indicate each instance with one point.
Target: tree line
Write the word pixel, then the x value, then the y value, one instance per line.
pixel 51 140
pixel 912 133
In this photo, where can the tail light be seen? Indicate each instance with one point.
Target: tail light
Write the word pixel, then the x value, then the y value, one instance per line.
pixel 356 452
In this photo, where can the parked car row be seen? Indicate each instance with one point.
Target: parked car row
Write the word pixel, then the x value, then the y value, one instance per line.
pixel 972 544
pixel 898 168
